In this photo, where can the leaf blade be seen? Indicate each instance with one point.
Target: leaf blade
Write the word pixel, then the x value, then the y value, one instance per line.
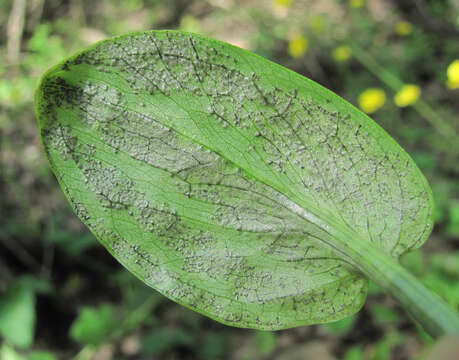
pixel 171 133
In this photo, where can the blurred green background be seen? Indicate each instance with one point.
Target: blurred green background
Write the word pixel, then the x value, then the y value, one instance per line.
pixel 62 296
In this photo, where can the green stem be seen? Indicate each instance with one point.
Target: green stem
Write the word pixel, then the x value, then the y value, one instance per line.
pixel 423 108
pixel 435 316
pixel 422 304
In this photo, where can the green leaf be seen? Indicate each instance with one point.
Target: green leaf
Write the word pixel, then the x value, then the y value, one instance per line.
pixel 230 184
pixel 93 326
pixel 17 314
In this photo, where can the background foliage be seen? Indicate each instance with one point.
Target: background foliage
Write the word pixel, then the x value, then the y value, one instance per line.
pixel 62 296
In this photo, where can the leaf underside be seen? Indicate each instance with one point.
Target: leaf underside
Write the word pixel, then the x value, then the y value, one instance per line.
pixel 222 179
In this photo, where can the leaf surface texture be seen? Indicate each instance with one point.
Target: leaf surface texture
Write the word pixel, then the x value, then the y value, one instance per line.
pixel 223 180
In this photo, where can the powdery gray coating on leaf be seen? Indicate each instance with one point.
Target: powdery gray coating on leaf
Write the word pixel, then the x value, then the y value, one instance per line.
pixel 220 178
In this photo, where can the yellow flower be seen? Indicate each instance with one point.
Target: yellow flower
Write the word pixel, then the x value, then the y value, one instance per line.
pixel 356 3
pixel 283 3
pixel 298 45
pixel 372 99
pixel 407 95
pixel 342 53
pixel 453 75
pixel 404 28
